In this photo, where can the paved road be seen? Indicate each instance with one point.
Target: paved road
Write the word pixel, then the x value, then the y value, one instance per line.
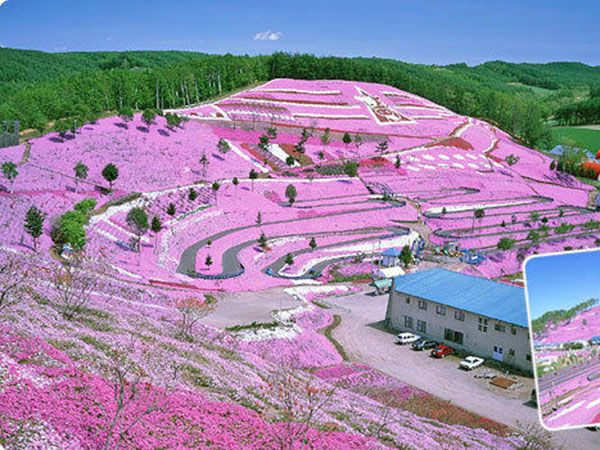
pixel 317 268
pixel 364 339
pixel 566 374
pixel 230 264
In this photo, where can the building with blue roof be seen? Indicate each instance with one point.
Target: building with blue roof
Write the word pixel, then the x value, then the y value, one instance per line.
pixel 473 314
pixel 391 257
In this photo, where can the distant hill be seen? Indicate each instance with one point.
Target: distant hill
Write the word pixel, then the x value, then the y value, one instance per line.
pixel 18 66
pixel 38 87
pixel 553 76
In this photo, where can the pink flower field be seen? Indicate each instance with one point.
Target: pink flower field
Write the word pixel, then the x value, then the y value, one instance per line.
pixel 239 217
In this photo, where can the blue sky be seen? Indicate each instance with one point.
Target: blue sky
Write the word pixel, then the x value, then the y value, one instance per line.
pixel 424 31
pixel 562 281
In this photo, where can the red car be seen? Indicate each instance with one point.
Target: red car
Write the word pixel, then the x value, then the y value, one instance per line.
pixel 442 351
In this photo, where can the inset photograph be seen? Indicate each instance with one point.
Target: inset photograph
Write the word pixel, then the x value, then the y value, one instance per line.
pixel 564 313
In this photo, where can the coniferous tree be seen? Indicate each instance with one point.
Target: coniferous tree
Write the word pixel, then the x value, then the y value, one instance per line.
pixel 34 224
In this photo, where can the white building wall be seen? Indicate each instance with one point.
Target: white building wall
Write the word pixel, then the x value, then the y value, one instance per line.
pixel 494 339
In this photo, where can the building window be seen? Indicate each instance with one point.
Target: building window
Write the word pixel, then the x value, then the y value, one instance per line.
pixel 483 322
pixel 423 305
pixel 513 330
pixel 454 336
pixel 499 350
pixel 408 322
pixel 407 300
pixel 528 357
pixel 499 327
pixel 441 310
pixel 422 326
pixel 459 315
pixel 511 352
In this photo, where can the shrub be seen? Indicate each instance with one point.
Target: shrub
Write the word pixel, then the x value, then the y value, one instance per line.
pixel 564 228
pixel 69 229
pixel 86 206
pixel 506 243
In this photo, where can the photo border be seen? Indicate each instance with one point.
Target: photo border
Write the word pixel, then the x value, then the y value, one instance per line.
pixel 533 355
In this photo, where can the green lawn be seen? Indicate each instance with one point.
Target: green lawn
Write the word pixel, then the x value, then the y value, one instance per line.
pixel 577 137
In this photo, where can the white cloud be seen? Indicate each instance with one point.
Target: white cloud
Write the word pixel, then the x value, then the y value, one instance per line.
pixel 266 35
pixel 2 2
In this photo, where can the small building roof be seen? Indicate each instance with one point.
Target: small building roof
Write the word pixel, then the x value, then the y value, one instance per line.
pixel 473 294
pixel 389 272
pixel 382 284
pixel 391 252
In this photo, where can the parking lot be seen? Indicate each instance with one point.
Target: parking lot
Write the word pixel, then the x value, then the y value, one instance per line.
pixel 362 335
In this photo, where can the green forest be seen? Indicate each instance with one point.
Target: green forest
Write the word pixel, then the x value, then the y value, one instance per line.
pixel 539 324
pixel 40 88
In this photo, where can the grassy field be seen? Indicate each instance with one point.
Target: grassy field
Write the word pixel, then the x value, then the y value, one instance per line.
pixel 577 137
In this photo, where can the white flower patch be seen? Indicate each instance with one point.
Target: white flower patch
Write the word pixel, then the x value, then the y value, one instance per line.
pixel 459 157
pixel 443 165
pixel 264 334
pixel 280 154
pixel 299 91
pixel 474 206
pixel 286 315
pixel 427 166
pixel 458 165
pixel 302 292
pixel 492 145
pixel 473 157
pixel 124 272
pixel 307 281
pixel 473 166
pixel 593 404
pixel 444 157
pixel 291 103
pixel 286 329
pixel 428 157
pixel 463 128
pixel 414 169
pixel 572 408
pixel 301 270
pixel 262 168
pixel 333 116
pixel 396 242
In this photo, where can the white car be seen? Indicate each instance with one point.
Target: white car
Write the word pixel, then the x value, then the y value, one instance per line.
pixel 406 338
pixel 471 362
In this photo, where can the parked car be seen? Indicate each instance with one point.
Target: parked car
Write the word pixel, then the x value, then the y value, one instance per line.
pixel 423 344
pixel 406 338
pixel 441 351
pixel 471 362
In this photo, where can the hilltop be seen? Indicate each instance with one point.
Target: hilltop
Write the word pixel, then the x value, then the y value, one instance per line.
pixel 38 88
